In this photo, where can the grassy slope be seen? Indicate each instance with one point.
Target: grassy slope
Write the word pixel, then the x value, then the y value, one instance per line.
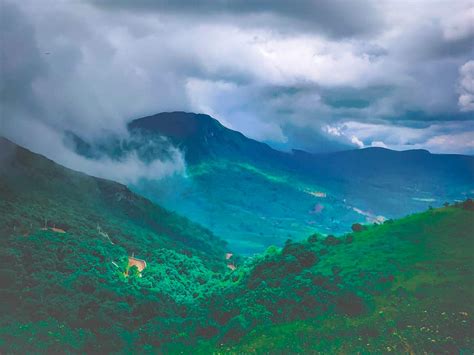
pixel 417 274
pixel 253 205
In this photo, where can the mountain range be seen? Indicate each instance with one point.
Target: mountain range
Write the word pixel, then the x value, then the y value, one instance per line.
pixel 255 196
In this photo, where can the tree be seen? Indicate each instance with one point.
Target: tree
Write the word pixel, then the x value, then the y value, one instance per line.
pixel 468 205
pixel 331 240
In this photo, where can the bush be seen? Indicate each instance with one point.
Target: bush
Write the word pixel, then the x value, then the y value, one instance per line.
pixel 235 329
pixel 350 305
pixel 357 227
pixel 331 240
pixel 304 256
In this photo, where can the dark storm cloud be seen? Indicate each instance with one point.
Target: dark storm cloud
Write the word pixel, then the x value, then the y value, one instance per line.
pixel 335 18
pixel 20 60
pixel 306 138
pixel 45 90
pixel 427 42
pixel 308 74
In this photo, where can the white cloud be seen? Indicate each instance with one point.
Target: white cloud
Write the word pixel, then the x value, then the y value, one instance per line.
pixel 452 137
pixel 459 24
pixel 451 143
pixel 466 87
pixel 379 144
pixel 333 130
pixel 127 170
pixel 344 135
pixel 357 142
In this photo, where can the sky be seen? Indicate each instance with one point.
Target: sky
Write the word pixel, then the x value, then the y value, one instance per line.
pixel 318 75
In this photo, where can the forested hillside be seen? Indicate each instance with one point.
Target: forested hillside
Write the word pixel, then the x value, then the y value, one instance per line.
pixel 65 242
pixel 36 192
pixel 65 284
pixel 404 287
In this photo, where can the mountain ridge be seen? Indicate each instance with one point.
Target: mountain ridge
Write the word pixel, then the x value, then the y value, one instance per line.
pixel 201 135
pixel 247 191
pixel 182 119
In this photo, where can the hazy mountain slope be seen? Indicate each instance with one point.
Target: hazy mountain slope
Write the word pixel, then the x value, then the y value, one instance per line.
pixel 253 207
pixel 256 196
pixel 393 183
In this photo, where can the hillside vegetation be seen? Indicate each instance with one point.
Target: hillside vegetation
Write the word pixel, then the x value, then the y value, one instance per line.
pixel 65 242
pixel 404 286
pixel 36 192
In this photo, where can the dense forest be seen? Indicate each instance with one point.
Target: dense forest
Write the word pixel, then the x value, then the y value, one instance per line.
pixel 66 284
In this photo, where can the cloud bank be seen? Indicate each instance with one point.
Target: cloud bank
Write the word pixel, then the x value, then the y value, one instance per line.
pixel 321 76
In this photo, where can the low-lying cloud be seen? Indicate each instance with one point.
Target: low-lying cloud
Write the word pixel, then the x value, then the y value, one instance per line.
pixel 46 90
pixel 129 168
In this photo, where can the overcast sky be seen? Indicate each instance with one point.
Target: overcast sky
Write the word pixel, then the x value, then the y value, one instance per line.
pixel 316 75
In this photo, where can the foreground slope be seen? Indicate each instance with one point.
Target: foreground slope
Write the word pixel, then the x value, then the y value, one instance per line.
pixel 403 286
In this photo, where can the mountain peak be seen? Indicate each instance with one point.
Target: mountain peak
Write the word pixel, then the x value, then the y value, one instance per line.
pixel 200 136
pixel 177 124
